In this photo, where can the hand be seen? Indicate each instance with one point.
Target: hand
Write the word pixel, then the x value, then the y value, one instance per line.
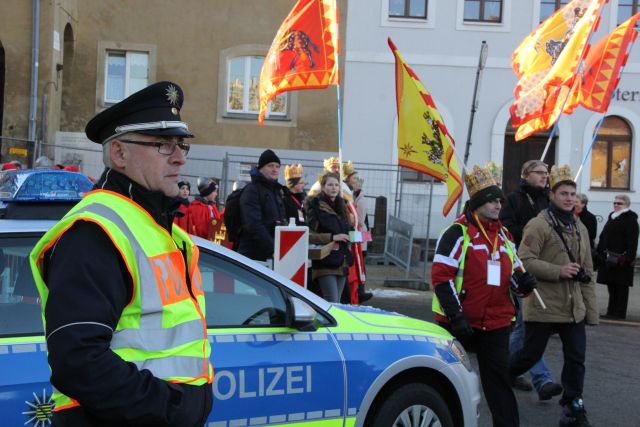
pixel 341 237
pixel 525 283
pixel 460 328
pixel 569 270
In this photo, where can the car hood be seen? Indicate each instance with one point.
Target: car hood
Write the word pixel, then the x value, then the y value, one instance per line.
pixel 367 319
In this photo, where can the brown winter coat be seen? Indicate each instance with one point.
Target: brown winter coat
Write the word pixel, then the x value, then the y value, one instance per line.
pixel 543 254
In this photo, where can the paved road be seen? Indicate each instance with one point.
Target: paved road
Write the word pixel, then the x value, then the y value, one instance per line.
pixel 612 383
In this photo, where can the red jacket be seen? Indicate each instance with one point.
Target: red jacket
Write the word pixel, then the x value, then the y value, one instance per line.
pixel 181 221
pixel 484 306
pixel 201 217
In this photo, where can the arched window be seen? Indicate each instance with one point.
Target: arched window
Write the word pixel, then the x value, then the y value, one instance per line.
pixel 611 155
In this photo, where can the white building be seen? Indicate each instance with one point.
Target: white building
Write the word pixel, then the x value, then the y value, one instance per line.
pixel 441 40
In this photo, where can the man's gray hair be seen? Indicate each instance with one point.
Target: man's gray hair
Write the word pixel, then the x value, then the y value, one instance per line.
pixel 624 198
pixel 583 198
pixel 106 153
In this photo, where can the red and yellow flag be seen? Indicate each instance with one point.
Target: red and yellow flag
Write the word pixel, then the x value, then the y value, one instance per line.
pixel 603 64
pixel 303 55
pixel 424 143
pixel 546 63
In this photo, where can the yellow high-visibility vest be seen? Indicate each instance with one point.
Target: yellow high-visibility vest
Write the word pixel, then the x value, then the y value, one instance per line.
pixel 163 328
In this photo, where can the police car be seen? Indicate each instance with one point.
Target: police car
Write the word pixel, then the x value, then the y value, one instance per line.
pixel 281 354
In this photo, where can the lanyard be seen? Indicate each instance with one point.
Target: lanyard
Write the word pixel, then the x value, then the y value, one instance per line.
pixel 486 236
pixel 296 200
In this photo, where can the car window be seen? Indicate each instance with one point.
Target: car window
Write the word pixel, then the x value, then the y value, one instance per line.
pixel 19 300
pixel 238 297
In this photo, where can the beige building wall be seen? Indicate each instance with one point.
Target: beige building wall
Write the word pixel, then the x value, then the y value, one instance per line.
pixel 188 42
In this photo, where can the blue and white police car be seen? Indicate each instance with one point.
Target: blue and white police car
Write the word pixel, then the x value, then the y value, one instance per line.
pixel 281 354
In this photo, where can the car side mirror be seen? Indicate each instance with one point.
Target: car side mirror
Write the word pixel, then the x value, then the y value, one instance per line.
pixel 304 316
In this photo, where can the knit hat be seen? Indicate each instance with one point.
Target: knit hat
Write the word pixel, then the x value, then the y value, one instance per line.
pixel 206 186
pixel 268 156
pixel 187 183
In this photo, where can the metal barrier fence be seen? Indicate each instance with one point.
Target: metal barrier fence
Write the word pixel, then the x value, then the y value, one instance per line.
pixel 408 201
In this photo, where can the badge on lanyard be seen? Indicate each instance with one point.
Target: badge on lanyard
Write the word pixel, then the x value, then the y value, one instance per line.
pixel 493 273
pixel 300 216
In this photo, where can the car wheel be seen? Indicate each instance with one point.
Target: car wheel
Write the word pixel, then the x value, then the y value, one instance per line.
pixel 413 405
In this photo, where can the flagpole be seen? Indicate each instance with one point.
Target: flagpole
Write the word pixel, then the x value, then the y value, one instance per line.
pixel 593 141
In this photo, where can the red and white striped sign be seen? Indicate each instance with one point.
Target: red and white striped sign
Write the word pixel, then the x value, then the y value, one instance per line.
pixel 291 252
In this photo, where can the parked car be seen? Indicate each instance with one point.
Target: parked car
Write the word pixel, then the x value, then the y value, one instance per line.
pixel 281 354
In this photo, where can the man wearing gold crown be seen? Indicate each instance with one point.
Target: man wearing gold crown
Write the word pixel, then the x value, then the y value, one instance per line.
pixel 474 272
pixel 555 248
pixel 294 193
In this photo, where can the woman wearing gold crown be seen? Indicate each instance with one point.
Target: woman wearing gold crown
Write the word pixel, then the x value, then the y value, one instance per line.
pixel 357 293
pixel 474 273
pixel 294 193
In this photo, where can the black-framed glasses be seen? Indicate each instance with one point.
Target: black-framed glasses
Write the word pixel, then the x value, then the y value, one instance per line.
pixel 164 147
pixel 618 203
pixel 541 173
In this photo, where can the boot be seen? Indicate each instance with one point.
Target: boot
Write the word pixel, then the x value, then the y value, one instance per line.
pixel 363 295
pixel 574 414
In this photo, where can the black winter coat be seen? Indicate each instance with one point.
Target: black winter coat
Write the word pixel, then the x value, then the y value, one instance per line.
pixel 619 235
pixel 294 206
pixel 261 208
pixel 589 220
pixel 325 220
pixel 522 205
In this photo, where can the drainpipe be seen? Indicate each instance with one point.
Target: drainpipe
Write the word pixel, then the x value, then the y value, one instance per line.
pixel 35 48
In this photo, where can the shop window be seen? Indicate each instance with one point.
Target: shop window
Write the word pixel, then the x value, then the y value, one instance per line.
pixel 243 80
pixel 483 11
pixel 611 156
pixel 408 9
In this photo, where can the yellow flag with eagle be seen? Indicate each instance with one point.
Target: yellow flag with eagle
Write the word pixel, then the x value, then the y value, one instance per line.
pixel 424 143
pixel 304 53
pixel 546 63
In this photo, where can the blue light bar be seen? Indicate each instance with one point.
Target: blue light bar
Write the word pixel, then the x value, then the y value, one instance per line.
pixel 42 185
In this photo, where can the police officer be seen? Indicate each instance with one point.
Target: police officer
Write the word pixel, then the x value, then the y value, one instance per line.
pixel 474 270
pixel 121 293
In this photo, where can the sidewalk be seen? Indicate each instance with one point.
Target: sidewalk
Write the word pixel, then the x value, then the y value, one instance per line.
pixel 376 275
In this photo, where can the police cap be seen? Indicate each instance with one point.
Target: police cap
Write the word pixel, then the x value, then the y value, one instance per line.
pixel 154 110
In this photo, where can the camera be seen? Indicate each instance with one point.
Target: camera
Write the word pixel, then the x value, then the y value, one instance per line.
pixel 582 276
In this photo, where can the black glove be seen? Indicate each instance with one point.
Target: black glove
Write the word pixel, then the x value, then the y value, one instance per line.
pixel 460 328
pixel 522 284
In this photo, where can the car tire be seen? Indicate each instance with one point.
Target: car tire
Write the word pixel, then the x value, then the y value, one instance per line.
pixel 409 405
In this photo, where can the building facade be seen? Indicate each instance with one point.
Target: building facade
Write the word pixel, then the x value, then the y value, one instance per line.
pixel 93 53
pixel 441 41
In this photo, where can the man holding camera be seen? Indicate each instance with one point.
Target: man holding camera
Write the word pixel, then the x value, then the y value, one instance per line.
pixel 555 248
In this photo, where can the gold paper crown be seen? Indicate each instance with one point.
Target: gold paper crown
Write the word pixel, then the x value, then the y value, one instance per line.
pixel 348 169
pixel 293 171
pixel 559 174
pixel 478 179
pixel 496 172
pixel 330 161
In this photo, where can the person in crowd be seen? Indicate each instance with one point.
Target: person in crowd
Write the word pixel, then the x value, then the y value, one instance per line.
pixel 10 166
pixel 521 206
pixel 203 216
pixel 261 209
pixel 43 162
pixel 96 273
pixel 357 277
pixel 294 193
pixel 476 306
pixel 180 215
pixel 617 249
pixel 328 220
pixel 588 219
pixel 330 165
pixel 555 248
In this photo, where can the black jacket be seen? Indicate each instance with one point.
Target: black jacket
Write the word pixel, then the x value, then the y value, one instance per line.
pixel 294 206
pixel 522 205
pixel 620 236
pixel 330 218
pixel 261 208
pixel 88 288
pixel 589 220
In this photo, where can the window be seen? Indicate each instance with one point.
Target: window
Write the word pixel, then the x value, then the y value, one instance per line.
pixel 611 156
pixel 125 73
pixel 547 7
pixel 242 88
pixel 409 175
pixel 20 313
pixel 408 9
pixel 237 297
pixel 626 8
pixel 483 10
